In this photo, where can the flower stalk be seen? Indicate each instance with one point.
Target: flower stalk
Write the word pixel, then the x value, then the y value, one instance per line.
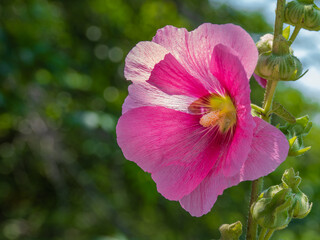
pixel 269 234
pixel 256 187
pixel 268 99
pixel 294 35
pixel 263 233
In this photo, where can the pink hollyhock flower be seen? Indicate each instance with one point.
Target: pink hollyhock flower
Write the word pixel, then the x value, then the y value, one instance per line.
pixel 187 119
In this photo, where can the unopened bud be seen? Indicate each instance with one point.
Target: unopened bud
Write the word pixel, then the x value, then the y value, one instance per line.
pixel 303 13
pixel 278 67
pixel 273 212
pixel 301 205
pixel 265 43
pixel 231 231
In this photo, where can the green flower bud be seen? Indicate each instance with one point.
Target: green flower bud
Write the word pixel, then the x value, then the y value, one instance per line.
pixel 231 231
pixel 273 212
pixel 301 205
pixel 266 41
pixel 303 13
pixel 278 67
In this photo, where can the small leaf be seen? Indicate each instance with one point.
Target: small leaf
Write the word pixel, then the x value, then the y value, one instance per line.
pixel 279 110
pixel 292 141
pixel 295 133
pixel 286 32
pixel 299 152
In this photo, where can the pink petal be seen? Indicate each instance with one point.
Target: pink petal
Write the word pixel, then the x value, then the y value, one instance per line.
pixel 262 82
pixel 201 200
pixel 228 69
pixel 269 149
pixel 144 94
pixel 170 77
pixel 193 49
pixel 172 145
pixel 141 60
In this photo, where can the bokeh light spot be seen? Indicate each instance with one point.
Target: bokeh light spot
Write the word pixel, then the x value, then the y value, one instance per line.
pixel 43 76
pixel 115 54
pixel 111 94
pixel 91 119
pixel 93 33
pixel 101 51
pixel 107 122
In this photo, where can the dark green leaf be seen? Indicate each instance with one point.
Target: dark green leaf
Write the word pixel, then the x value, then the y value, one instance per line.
pixel 279 110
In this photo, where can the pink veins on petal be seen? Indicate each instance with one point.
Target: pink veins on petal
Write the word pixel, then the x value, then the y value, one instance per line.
pixel 187 119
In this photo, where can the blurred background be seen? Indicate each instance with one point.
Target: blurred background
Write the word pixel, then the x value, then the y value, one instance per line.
pixel 62 175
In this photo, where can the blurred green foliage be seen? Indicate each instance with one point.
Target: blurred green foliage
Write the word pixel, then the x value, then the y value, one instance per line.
pixel 62 175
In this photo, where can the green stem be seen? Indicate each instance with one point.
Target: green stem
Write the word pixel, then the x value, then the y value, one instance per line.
pixel 294 35
pixel 256 186
pixel 268 99
pixel 252 226
pixel 278 26
pixel 257 108
pixel 269 234
pixel 263 233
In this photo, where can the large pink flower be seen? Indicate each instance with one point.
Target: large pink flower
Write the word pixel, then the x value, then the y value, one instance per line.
pixel 187 119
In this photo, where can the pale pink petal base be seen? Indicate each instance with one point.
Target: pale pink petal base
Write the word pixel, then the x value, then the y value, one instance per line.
pixel 144 94
pixel 141 60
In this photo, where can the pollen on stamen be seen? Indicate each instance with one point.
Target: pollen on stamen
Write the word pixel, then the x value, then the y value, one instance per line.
pixel 210 119
pixel 221 113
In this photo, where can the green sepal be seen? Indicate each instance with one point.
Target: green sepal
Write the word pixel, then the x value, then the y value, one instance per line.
pixel 286 32
pixel 295 133
pixel 283 113
pixel 299 152
pixel 291 179
pixel 292 140
pixel 302 74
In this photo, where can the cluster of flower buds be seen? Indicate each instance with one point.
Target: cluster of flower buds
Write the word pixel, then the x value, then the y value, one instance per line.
pixel 231 231
pixel 303 14
pixel 281 66
pixel 276 206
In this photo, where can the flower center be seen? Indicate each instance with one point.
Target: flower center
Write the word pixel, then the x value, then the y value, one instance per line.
pixel 217 111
